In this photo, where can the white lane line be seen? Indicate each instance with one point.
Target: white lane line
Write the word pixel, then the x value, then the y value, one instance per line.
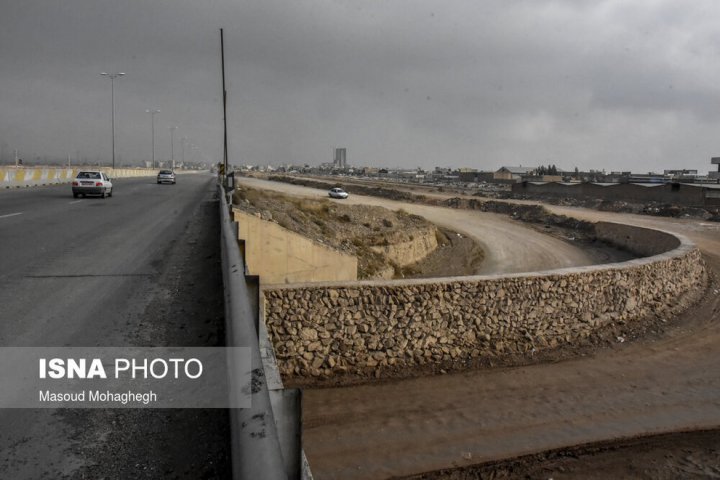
pixel 76 201
pixel 11 215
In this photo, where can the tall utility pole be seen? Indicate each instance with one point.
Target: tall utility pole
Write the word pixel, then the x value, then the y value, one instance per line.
pixel 112 77
pixel 152 129
pixel 172 147
pixel 225 140
pixel 182 145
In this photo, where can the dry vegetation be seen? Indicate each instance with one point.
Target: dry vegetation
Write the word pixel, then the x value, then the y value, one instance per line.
pixel 354 229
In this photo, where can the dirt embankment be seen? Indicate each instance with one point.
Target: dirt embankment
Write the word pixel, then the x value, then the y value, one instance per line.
pixel 571 230
pixel 661 457
pixel 492 191
pixel 388 244
pixel 373 191
pixel 655 209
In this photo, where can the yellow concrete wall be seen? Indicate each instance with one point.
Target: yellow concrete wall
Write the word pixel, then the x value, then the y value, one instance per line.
pixel 278 255
pixel 33 176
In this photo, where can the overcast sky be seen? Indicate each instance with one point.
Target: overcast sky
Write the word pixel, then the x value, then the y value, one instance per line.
pixel 594 84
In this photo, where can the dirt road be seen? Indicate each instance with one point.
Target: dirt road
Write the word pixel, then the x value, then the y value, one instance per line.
pixel 665 383
pixel 425 424
pixel 509 247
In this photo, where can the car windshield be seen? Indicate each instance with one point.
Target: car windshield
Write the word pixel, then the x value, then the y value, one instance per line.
pixel 165 172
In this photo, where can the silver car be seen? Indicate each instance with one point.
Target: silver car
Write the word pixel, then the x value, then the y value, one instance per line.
pixel 92 182
pixel 166 176
pixel 337 193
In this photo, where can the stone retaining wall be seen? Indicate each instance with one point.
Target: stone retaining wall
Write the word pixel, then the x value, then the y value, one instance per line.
pixel 379 327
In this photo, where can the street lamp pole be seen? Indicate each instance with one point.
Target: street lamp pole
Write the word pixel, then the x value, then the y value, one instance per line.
pixel 112 77
pixel 172 148
pixel 182 144
pixel 152 129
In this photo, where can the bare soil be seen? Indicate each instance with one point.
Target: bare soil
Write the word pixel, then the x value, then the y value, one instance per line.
pixel 354 229
pixel 655 209
pixel 489 423
pixel 458 426
pixel 687 455
pixel 568 229
pixel 456 255
pixel 503 191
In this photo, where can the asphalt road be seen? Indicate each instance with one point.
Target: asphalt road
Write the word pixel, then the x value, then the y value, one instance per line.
pixel 140 268
pixel 68 267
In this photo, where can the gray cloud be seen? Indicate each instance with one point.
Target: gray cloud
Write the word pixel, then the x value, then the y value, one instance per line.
pixel 408 83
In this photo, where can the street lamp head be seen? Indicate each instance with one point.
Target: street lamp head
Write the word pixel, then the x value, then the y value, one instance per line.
pixel 104 73
pixel 121 74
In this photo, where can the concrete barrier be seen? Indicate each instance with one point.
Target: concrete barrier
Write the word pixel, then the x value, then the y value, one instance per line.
pixel 12 177
pixel 643 242
pixel 256 448
pixel 377 328
pixel 278 255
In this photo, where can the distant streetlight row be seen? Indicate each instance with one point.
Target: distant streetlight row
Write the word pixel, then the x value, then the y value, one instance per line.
pixel 112 77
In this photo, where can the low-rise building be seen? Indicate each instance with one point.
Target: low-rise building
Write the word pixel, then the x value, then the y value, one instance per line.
pixel 513 173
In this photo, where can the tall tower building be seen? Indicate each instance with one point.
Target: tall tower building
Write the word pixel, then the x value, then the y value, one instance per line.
pixel 340 160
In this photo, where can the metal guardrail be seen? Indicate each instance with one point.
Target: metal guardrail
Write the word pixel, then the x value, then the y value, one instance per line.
pixel 256 451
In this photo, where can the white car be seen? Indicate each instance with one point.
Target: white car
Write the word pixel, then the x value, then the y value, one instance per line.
pixel 337 193
pixel 92 182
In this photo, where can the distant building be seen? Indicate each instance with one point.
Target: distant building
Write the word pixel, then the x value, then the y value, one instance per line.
pixel 340 159
pixel 471 175
pixel 648 178
pixel 515 174
pixel 668 193
pixel 467 176
pixel 684 175
pixel 552 178
pixel 715 175
pixel 369 171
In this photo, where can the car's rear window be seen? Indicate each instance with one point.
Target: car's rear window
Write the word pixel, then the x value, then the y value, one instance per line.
pixel 88 175
pixel 165 172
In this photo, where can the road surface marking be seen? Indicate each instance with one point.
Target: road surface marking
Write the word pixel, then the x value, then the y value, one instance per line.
pixel 11 215
pixel 76 201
